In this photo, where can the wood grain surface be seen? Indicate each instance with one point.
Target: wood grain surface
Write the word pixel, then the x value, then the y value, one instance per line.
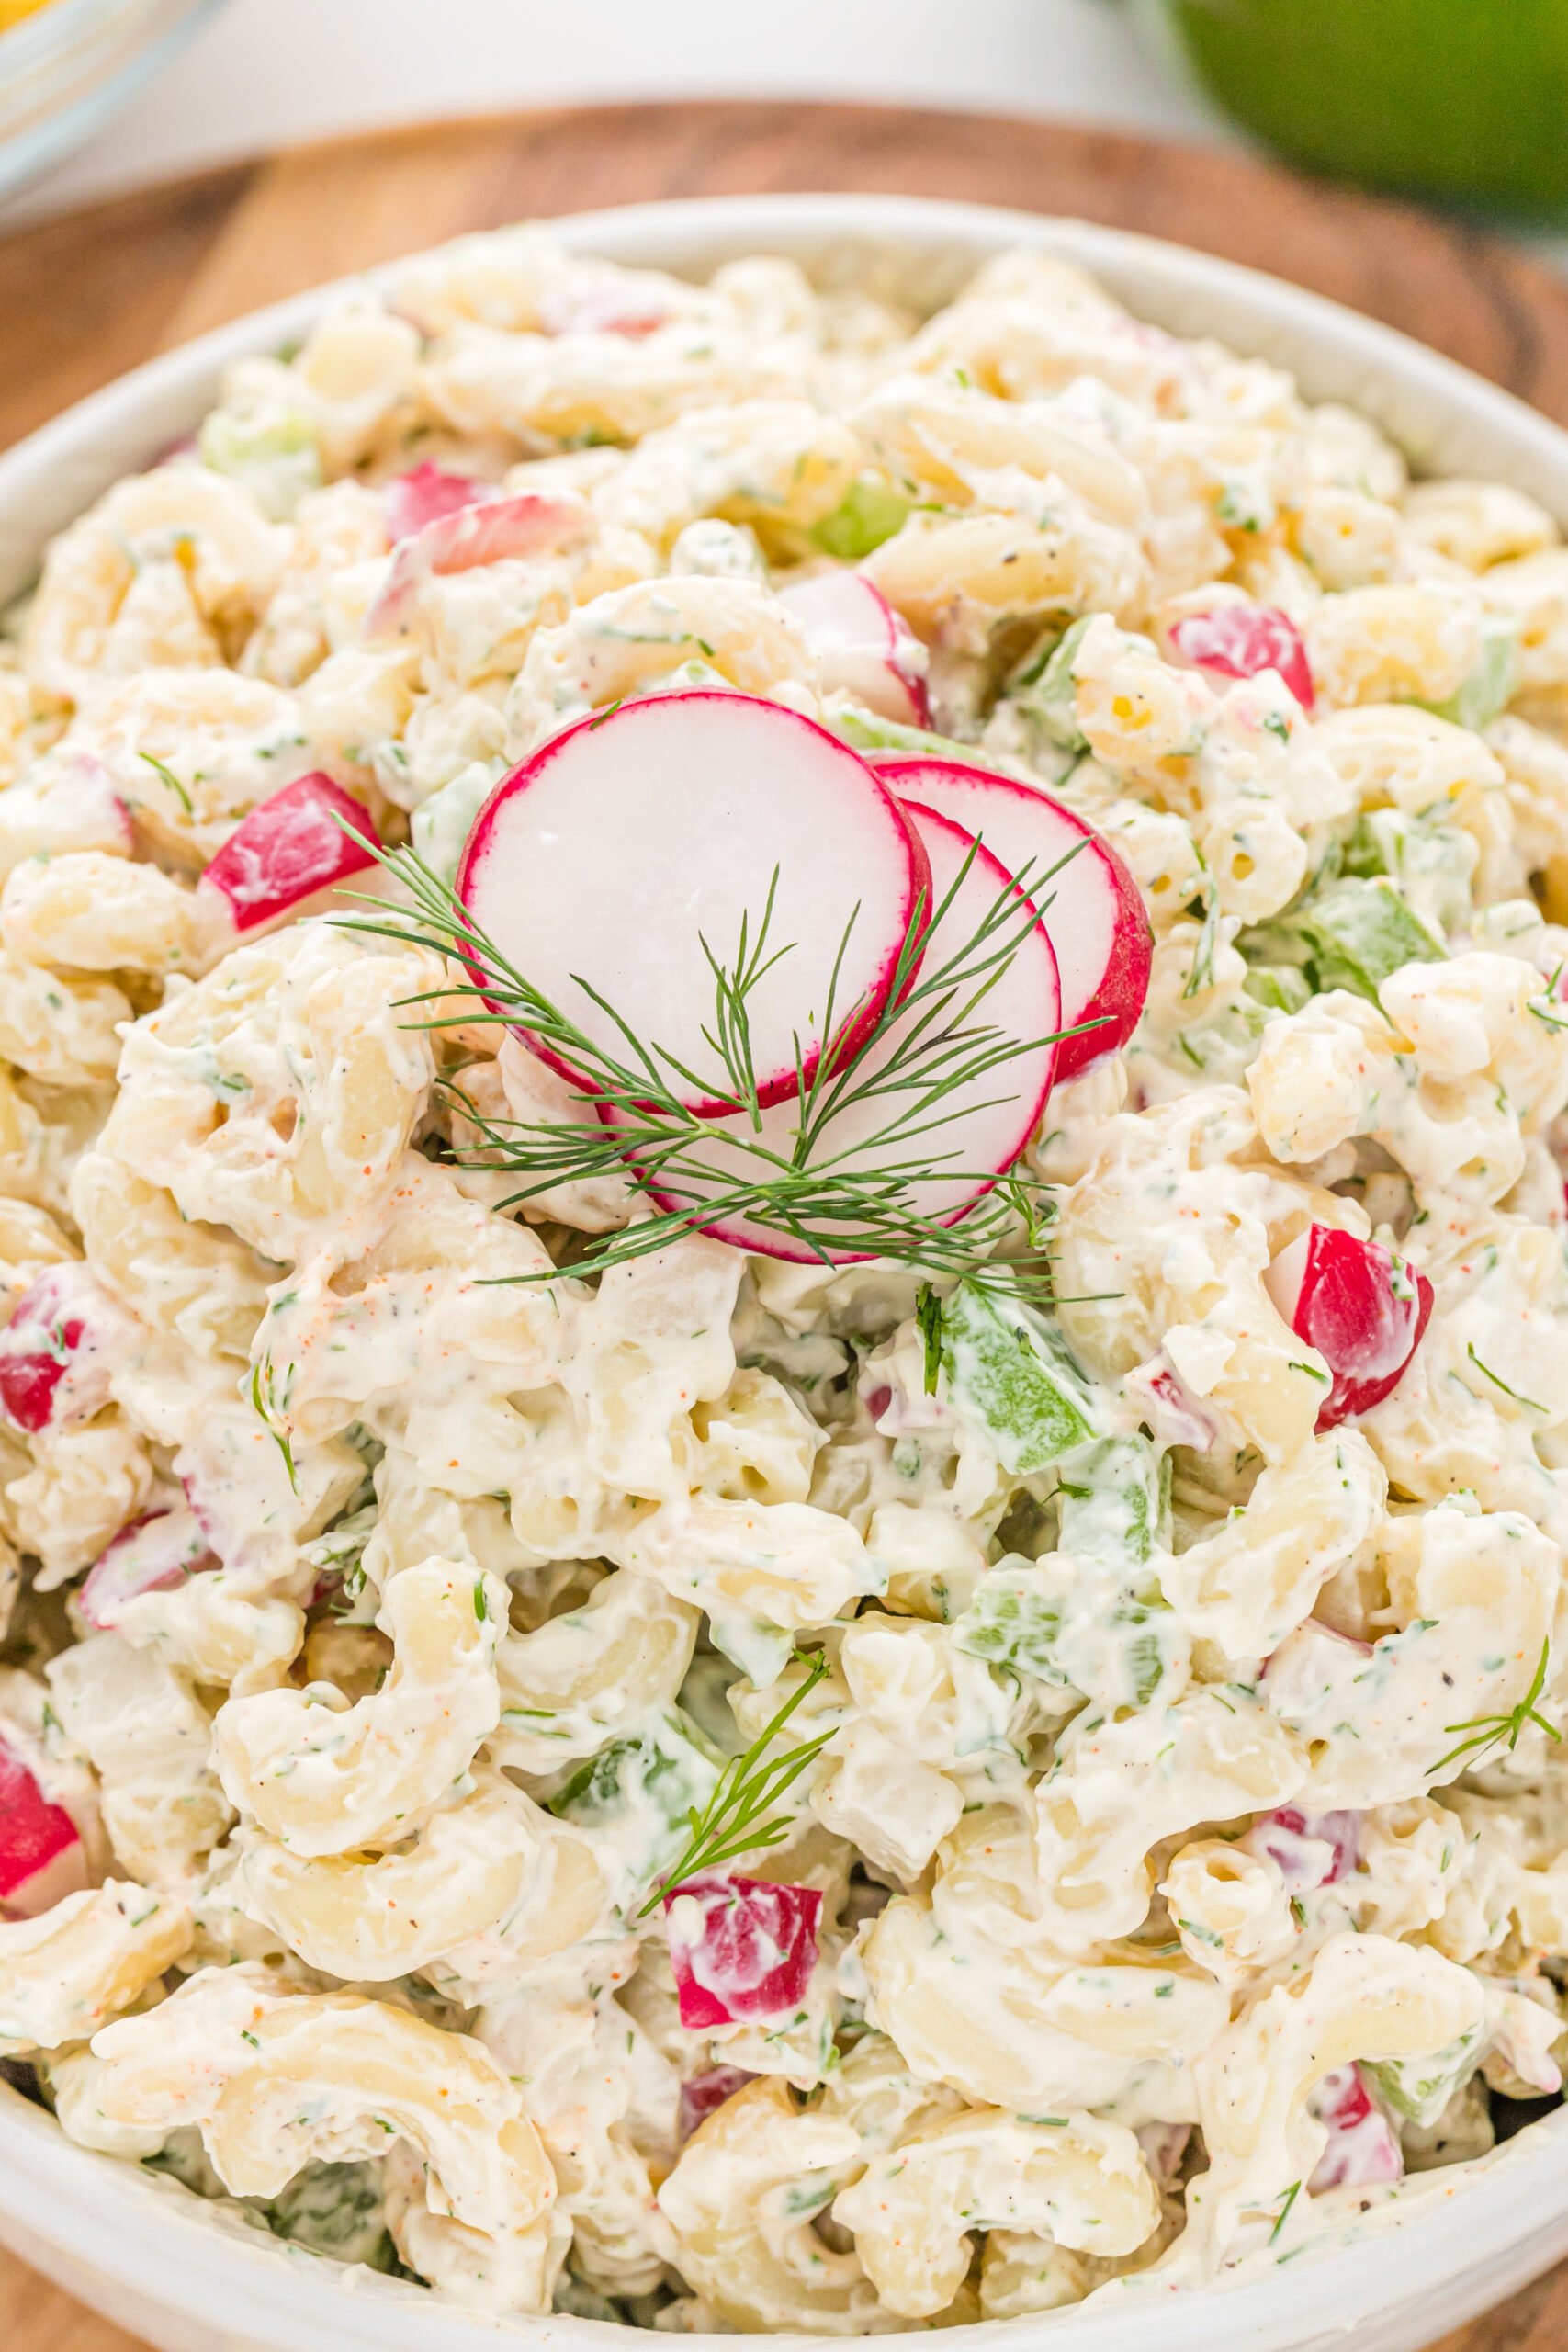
pixel 84 298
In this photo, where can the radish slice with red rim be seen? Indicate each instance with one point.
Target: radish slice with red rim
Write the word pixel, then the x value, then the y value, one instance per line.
pixel 860 645
pixel 960 1146
pixel 1087 900
pixel 42 1856
pixel 1363 1309
pixel 602 864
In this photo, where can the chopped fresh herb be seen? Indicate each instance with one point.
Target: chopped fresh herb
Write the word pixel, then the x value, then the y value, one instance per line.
pixel 267 1408
pixel 731 1822
pixel 1291 2194
pixel 1486 1732
pixel 166 773
pixel 927 1320
pixel 929 1043
pixel 1491 1376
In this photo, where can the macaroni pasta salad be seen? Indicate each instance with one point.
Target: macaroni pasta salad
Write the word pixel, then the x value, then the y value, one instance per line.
pixel 558 1744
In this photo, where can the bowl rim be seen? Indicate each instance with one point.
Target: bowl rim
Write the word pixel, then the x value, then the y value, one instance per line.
pixel 146 2237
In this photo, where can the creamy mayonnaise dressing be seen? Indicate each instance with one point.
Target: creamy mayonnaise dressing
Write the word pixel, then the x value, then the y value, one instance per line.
pixel 1179 1864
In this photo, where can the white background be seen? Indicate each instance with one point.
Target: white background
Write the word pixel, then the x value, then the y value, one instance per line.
pixel 262 72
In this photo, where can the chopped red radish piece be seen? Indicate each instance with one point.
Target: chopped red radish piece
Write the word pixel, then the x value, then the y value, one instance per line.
pixel 606 306
pixel 425 494
pixel 1311 1850
pixel 987 1118
pixel 42 1856
pixel 740 1948
pixel 1239 641
pixel 1095 917
pixel 1362 2144
pixel 626 842
pixel 496 530
pixel 151 1554
pixel 1168 1406
pixel 1164 2146
pixel 704 2095
pixel 1362 1308
pixel 57 1352
pixel 861 646
pixel 287 856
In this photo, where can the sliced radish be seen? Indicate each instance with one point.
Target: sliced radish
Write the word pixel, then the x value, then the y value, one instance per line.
pixel 1095 915
pixel 608 858
pixel 861 646
pixel 151 1554
pixel 1362 1308
pixel 740 1948
pixel 987 1120
pixel 1362 2144
pixel 58 1350
pixel 425 494
pixel 1239 641
pixel 703 2095
pixel 494 531
pixel 287 856
pixel 42 1859
pixel 1312 1849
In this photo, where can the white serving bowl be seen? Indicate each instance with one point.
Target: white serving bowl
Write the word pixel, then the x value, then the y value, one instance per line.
pixel 140 2249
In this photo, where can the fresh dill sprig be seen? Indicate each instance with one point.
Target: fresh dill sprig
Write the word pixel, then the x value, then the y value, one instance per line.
pixel 748 1786
pixel 1486 1732
pixel 267 1408
pixel 165 775
pixel 1200 975
pixel 833 1200
pixel 1491 1376
pixel 1283 2215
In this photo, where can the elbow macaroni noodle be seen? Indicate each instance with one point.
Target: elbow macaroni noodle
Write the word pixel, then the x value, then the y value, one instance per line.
pixel 1145 1792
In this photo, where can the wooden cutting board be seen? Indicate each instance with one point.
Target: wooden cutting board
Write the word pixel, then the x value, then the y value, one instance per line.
pixel 84 298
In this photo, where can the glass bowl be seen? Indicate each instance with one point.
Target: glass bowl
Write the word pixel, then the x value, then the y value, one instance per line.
pixel 65 68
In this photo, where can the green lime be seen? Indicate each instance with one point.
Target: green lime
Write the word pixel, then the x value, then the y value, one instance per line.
pixel 1460 99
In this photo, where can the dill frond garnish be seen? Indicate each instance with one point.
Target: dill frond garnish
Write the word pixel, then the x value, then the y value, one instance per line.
pixel 909 1081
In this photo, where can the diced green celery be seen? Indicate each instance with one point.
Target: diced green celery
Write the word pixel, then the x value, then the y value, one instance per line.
pixel 1144 1651
pixel 1114 1502
pixel 1373 846
pixel 1006 1368
pixel 1013 1622
pixel 1362 931
pixel 1495 680
pixel 1282 987
pixel 866 732
pixel 638 1791
pixel 274 457
pixel 1074 1631
pixel 1431 857
pixel 873 512
pixel 1052 697
pixel 1422 2088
